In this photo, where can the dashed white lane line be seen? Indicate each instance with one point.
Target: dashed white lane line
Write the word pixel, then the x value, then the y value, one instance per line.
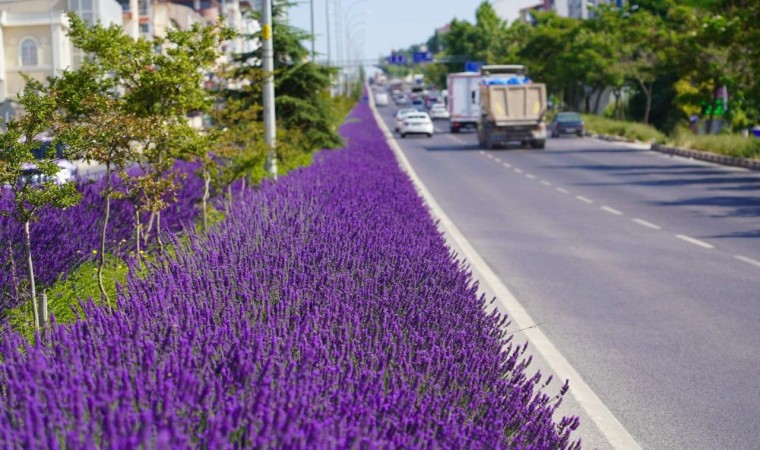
pixel 545 183
pixel 697 242
pixel 563 190
pixel 531 176
pixel 750 261
pixel 508 165
pixel 518 170
pixel 498 160
pixel 584 199
pixel 647 224
pixel 481 152
pixel 612 210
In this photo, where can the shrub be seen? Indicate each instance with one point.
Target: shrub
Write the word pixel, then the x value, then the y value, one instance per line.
pixel 325 312
pixel 629 130
pixel 724 144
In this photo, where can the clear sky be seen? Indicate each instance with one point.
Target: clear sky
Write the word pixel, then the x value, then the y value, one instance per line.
pixel 385 25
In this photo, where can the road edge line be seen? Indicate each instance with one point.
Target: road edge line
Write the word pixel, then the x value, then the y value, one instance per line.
pixel 608 424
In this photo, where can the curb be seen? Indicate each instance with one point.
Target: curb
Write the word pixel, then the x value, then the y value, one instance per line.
pixel 752 164
pixel 715 158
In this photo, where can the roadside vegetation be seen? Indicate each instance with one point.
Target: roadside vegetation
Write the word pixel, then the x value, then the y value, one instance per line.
pixel 127 107
pixel 657 62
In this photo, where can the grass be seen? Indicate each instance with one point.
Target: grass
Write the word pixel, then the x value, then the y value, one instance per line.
pixel 723 144
pixel 628 130
pixel 64 296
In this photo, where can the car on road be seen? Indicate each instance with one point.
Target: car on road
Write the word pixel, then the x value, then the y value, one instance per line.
pixel 567 122
pixel 439 111
pixel 381 98
pixel 401 115
pixel 416 123
pixel 419 104
pixel 401 99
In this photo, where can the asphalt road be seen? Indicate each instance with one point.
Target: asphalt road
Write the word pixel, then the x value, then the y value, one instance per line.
pixel 642 269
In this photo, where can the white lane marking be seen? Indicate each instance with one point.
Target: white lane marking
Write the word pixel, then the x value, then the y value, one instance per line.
pixel 481 152
pixel 584 199
pixel 454 138
pixel 697 242
pixel 612 210
pixel 647 224
pixel 531 176
pixel 609 425
pixel 497 159
pixel 563 190
pixel 751 261
pixel 508 165
pixel 518 170
pixel 545 183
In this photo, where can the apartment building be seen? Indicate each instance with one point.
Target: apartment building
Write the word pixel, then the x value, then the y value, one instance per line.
pixel 33 37
pixel 582 9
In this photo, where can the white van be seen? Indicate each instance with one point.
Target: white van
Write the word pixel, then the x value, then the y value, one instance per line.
pixel 381 98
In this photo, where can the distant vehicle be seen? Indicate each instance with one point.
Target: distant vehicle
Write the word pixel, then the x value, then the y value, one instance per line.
pixel 419 104
pixel 402 99
pixel 401 115
pixel 67 171
pixel 464 100
pixel 417 123
pixel 419 79
pixel 567 122
pixel 381 99
pixel 439 111
pixel 512 108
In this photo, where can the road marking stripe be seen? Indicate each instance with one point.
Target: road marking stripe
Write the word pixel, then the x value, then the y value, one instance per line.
pixel 507 164
pixel 518 170
pixel 531 176
pixel 563 190
pixel 647 224
pixel 545 183
pixel 481 152
pixel 497 160
pixel 691 240
pixel 608 424
pixel 751 261
pixel 584 199
pixel 612 210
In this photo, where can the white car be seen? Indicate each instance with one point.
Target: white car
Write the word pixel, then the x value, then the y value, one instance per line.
pixel 417 123
pixel 439 111
pixel 401 115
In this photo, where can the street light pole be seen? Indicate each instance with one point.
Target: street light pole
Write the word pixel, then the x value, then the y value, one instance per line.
pixel 313 51
pixel 269 116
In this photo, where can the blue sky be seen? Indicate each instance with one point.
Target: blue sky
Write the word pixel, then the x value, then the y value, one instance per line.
pixel 385 25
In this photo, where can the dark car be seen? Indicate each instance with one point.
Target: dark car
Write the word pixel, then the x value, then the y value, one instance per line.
pixel 419 104
pixel 567 123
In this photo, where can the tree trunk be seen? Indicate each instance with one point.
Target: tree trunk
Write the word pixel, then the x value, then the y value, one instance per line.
pixel 598 100
pixel 206 187
pixel 158 232
pixel 14 273
pixel 138 225
pixel 148 228
pixel 30 266
pixel 228 203
pixel 103 229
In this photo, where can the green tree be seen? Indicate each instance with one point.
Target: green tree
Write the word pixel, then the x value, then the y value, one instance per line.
pixel 30 195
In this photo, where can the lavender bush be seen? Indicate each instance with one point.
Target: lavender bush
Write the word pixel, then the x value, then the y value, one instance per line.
pixel 64 239
pixel 325 312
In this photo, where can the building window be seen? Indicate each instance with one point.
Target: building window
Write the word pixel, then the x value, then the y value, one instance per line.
pixel 29 52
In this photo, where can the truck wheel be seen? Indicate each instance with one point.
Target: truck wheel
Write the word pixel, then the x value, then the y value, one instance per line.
pixel 430 135
pixel 538 144
pixel 454 130
pixel 403 135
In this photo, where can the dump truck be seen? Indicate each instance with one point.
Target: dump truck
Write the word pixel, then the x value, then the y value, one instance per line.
pixel 512 108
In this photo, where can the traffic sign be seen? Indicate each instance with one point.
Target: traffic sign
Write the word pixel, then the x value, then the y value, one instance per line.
pixel 397 59
pixel 473 66
pixel 420 57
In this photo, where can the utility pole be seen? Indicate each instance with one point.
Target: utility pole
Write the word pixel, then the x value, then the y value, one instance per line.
pixel 327 19
pixel 269 117
pixel 313 50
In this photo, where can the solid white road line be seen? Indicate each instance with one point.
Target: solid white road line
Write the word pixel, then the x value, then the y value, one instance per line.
pixel 545 183
pixel 647 224
pixel 612 210
pixel 563 190
pixel 531 176
pixel 609 425
pixel 751 261
pixel 697 242
pixel 584 199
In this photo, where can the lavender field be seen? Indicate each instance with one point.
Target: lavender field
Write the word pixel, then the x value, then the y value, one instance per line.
pixel 325 312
